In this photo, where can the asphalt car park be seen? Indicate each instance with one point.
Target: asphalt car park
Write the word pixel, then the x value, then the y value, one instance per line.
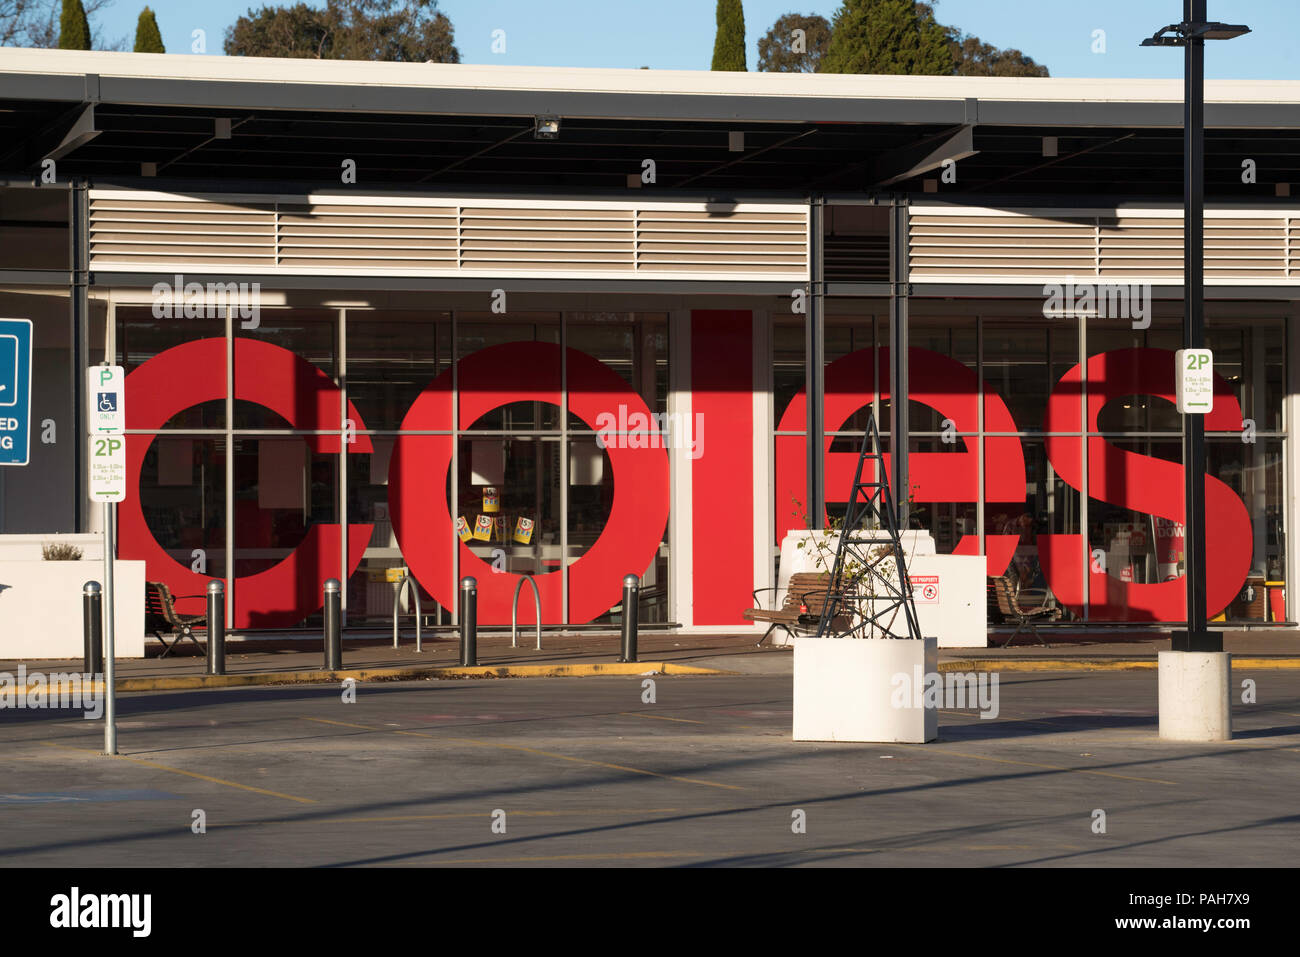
pixel 591 771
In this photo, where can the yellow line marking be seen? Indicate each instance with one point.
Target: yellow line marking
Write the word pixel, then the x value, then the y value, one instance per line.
pixel 966 847
pixel 548 754
pixel 398 818
pixel 188 774
pixel 417 673
pixel 629 856
pixel 659 717
pixel 1030 764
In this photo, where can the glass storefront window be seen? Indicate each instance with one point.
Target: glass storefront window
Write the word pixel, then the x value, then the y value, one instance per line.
pixel 509 496
pixel 183 498
pixel 1024 359
pixel 310 334
pixel 478 332
pixel 391 357
pixel 140 337
pixel 1026 365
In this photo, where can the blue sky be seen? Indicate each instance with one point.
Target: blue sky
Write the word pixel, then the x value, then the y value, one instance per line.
pixel 678 34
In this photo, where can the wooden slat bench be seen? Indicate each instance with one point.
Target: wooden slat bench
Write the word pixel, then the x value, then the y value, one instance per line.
pixel 1008 603
pixel 805 598
pixel 162 617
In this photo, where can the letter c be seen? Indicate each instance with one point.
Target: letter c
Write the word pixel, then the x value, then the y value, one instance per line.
pixel 293 388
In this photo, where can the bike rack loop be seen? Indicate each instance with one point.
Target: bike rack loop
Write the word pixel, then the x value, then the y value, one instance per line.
pixel 514 610
pixel 397 604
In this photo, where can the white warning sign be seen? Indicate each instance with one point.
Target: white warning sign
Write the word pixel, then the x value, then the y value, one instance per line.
pixel 925 589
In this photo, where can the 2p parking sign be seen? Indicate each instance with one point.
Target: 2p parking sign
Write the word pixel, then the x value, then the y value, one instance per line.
pixel 15 391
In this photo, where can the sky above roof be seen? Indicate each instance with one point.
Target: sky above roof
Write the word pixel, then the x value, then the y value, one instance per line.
pixel 1098 38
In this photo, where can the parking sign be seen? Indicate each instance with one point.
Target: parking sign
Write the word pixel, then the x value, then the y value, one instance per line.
pixel 107 466
pixel 1195 381
pixel 105 388
pixel 15 391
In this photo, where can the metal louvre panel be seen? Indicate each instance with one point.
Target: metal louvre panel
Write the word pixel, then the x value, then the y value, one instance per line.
pixel 364 236
pixel 126 229
pixel 986 245
pixel 403 235
pixel 1293 247
pixel 545 239
pixel 722 239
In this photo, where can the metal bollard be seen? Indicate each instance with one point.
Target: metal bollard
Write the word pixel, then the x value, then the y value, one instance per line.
pixel 468 622
pixel 216 628
pixel 92 616
pixel 631 589
pixel 333 625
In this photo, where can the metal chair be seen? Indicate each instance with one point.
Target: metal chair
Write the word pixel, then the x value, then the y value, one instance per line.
pixel 1009 605
pixel 160 609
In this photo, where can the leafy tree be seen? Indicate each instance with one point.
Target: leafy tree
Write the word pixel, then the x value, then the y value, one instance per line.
pixel 974 57
pixel 37 23
pixel 20 23
pixel 778 50
pixel 729 42
pixel 147 37
pixel 297 31
pixel 74 28
pixel 887 36
pixel 392 30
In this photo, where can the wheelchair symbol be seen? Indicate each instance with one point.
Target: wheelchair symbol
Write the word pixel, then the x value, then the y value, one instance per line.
pixel 107 402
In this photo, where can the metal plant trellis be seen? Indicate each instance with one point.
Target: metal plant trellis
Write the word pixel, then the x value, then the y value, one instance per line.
pixel 867 591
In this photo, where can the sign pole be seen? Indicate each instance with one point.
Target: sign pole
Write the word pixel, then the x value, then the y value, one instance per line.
pixel 110 699
pixel 106 483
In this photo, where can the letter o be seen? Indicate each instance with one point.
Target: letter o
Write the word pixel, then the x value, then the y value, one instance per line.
pixel 417 477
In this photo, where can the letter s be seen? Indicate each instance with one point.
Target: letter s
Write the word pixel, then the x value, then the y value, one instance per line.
pixel 1142 483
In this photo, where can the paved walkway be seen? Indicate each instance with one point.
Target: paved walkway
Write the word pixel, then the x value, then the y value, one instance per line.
pixel 735 653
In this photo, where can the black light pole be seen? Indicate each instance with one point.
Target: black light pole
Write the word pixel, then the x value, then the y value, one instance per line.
pixel 1191 35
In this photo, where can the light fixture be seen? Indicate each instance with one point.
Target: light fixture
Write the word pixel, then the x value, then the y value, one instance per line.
pixel 1177 34
pixel 546 127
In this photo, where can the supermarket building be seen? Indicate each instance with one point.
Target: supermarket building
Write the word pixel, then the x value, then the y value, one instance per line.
pixel 625 321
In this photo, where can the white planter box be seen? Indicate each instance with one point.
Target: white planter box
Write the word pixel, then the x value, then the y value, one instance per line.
pixel 40 608
pixel 845 689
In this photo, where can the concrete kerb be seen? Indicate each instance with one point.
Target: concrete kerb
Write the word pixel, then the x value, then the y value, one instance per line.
pixel 1253 663
pixel 587 669
pixel 197 682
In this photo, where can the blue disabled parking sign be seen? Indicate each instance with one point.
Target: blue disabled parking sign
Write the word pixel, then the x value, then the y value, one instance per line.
pixel 15 390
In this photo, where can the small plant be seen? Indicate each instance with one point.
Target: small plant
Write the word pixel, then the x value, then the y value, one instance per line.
pixel 61 553
pixel 859 578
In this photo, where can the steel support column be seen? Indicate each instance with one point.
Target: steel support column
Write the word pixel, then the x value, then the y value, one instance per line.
pixel 899 427
pixel 815 366
pixel 79 334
